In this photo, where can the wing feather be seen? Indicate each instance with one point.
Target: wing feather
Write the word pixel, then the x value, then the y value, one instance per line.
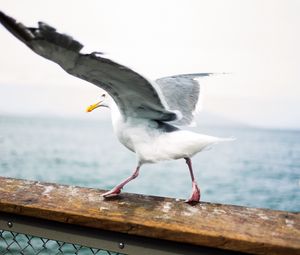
pixel 134 94
pixel 181 93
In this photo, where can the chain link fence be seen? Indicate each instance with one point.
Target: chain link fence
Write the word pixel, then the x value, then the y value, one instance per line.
pixel 15 243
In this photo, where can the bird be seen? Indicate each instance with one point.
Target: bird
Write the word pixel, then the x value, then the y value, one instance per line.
pixel 147 115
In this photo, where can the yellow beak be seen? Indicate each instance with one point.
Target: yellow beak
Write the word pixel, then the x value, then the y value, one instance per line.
pixel 93 107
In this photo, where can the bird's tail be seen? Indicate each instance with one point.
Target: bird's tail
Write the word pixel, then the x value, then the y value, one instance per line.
pixel 225 139
pixel 215 140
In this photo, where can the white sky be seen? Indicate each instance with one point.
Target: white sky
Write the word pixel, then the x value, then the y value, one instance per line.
pixel 256 41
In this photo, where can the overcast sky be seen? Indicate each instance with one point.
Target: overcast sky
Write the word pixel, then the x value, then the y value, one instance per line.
pixel 256 42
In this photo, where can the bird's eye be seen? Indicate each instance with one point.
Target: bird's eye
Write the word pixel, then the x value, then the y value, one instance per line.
pixel 103 95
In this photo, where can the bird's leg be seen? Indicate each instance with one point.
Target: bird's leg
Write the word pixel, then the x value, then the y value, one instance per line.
pixel 195 197
pixel 117 190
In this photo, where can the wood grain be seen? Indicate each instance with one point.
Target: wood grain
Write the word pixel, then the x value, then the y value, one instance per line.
pixel 237 228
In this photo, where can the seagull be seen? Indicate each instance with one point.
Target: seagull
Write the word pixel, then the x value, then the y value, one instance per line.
pixel 146 114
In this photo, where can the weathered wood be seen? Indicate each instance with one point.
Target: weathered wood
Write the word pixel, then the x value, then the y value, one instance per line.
pixel 251 230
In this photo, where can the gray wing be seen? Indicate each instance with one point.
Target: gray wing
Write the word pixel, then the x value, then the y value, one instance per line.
pixel 181 93
pixel 134 95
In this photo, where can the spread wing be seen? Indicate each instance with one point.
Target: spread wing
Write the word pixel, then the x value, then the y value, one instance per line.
pixel 181 93
pixel 134 95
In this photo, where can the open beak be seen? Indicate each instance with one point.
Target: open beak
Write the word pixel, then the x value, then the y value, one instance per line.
pixel 93 106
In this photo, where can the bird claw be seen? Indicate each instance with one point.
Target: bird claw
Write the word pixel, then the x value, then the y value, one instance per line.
pixel 112 193
pixel 195 197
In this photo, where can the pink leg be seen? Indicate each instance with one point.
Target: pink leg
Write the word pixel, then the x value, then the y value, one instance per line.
pixel 195 197
pixel 117 190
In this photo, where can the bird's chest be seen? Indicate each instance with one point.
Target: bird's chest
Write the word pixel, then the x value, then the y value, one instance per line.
pixel 124 131
pixel 124 136
pixel 132 133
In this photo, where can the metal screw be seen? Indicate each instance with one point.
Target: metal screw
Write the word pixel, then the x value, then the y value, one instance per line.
pixel 121 245
pixel 9 224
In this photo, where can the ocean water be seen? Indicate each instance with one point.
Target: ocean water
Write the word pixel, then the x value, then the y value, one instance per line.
pixel 260 169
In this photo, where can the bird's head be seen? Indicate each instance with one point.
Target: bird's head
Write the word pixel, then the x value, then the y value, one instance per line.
pixel 102 103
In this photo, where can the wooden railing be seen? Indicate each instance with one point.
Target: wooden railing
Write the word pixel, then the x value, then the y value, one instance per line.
pixel 147 222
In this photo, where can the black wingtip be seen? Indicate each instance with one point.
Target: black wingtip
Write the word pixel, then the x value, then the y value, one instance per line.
pixel 17 29
pixel 2 15
pixel 44 31
pixel 4 18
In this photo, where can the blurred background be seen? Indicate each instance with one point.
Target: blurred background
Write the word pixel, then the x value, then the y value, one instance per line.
pixel 46 135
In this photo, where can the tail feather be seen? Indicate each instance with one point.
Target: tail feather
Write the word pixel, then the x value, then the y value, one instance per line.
pixel 226 139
